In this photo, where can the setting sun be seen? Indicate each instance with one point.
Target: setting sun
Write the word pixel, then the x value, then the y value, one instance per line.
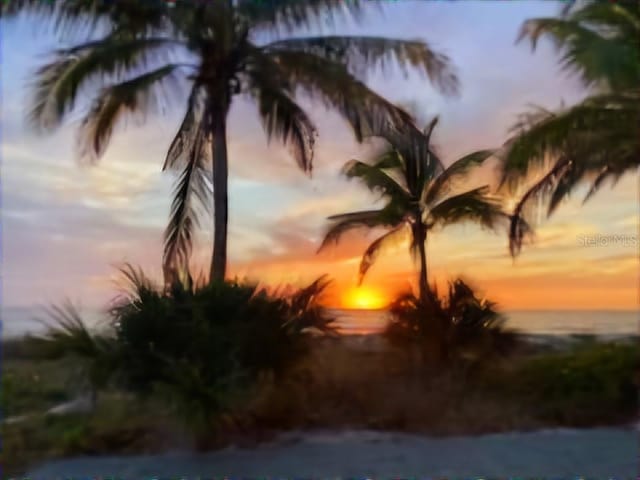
pixel 364 298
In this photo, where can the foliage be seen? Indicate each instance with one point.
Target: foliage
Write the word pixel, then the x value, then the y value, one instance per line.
pixel 200 344
pixel 68 335
pixel 116 426
pixel 594 141
pixel 591 383
pixel 205 53
pixel 25 389
pixel 458 329
pixel 420 195
pixel 347 383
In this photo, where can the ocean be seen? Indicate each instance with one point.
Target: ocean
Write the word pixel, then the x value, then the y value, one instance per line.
pixel 18 321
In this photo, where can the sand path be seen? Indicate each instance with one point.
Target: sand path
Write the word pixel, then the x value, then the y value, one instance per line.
pixel 595 453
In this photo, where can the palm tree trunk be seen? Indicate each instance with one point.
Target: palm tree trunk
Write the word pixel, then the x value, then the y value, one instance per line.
pixel 220 172
pixel 433 341
pixel 423 284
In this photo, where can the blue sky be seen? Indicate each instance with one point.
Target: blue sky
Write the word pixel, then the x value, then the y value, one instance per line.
pixel 66 226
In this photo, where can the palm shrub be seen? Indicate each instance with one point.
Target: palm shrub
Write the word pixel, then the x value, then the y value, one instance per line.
pixel 68 335
pixel 198 346
pixel 464 330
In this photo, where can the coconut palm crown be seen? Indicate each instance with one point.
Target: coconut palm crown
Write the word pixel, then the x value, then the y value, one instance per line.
pixel 204 53
pixel 420 196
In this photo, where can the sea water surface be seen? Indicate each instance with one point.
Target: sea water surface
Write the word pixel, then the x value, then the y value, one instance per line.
pixel 18 321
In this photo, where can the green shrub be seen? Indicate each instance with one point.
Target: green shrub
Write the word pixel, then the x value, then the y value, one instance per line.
pixel 200 346
pixel 458 329
pixel 590 383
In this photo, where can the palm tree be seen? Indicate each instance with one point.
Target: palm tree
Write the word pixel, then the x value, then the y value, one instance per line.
pixel 420 195
pixel 213 51
pixel 599 138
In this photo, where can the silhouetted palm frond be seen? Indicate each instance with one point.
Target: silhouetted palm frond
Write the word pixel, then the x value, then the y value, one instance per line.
pixel 361 53
pixel 442 185
pixel 390 238
pixel 114 102
pixel 595 140
pixel 191 196
pixel 345 222
pixel 58 83
pixel 475 205
pixel 293 14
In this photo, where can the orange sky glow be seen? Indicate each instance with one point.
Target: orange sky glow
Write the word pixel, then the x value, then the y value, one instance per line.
pixel 66 228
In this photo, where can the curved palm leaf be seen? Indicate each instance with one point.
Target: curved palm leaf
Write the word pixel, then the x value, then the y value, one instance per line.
pixel 367 112
pixel 443 183
pixel 373 251
pixel 376 179
pixel 419 161
pixel 182 143
pixel 597 41
pixel 192 191
pixel 74 16
pixel 595 120
pixel 113 102
pixel 349 221
pixel 59 81
pixel 474 205
pixel 283 117
pixel 360 53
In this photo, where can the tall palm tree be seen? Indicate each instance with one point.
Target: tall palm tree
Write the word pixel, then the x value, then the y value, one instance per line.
pixel 599 138
pixel 212 51
pixel 420 196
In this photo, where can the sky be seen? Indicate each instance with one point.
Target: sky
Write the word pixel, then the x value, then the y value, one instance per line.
pixel 66 228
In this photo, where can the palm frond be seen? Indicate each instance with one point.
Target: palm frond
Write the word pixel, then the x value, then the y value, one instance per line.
pixel 596 119
pixel 182 143
pixel 136 282
pixel 376 179
pixel 420 163
pixel 592 45
pixel 70 17
pixel 360 54
pixel 388 159
pixel 373 251
pixel 293 14
pixel 519 229
pixel 622 17
pixel 113 102
pixel 340 224
pixel 67 332
pixel 367 112
pixel 306 311
pixel 59 82
pixel 191 193
pixel 474 205
pixel 283 117
pixel 443 183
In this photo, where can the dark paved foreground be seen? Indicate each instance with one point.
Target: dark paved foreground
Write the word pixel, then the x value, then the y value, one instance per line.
pixel 595 453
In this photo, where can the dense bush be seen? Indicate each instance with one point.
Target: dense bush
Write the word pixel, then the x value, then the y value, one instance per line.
pixel 590 383
pixel 458 329
pixel 198 345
